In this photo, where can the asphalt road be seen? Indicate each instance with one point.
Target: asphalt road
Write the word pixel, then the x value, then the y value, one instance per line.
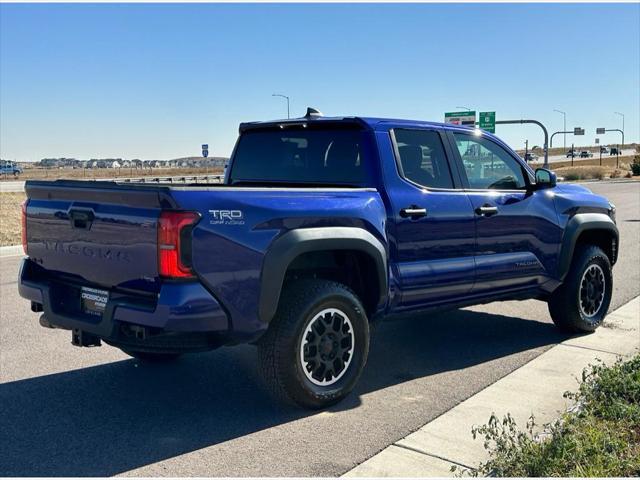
pixel 76 412
pixel 563 157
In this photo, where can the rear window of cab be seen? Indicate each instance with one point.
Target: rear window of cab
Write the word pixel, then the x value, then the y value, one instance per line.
pixel 301 156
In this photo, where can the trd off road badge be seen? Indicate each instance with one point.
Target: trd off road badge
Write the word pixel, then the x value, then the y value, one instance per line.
pixel 226 217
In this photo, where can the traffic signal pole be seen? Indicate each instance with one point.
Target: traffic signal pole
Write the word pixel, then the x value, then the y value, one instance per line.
pixel 556 133
pixel 534 122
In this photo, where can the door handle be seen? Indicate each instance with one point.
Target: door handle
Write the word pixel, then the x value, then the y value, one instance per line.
pixel 486 210
pixel 413 212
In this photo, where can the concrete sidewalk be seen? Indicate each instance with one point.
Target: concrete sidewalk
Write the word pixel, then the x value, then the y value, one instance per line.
pixel 536 388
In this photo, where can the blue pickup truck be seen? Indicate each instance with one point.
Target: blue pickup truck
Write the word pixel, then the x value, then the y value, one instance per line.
pixel 321 227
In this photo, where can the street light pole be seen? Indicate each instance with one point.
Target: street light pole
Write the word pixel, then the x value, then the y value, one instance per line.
pixel 283 96
pixel 622 115
pixel 466 108
pixel 564 126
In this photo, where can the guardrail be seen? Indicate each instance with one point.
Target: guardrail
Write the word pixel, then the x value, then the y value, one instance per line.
pixel 177 179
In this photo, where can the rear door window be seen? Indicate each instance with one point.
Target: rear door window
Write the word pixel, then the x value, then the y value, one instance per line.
pixel 422 158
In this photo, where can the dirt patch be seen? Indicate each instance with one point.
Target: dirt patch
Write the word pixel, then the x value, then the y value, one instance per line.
pixel 10 225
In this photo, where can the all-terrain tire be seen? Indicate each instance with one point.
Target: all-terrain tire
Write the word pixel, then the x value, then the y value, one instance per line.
pixel 152 357
pixel 571 307
pixel 306 307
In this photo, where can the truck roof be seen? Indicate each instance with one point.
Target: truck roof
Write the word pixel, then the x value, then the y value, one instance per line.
pixel 373 123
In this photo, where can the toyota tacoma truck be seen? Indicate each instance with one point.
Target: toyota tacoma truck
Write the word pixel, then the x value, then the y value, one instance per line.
pixel 321 227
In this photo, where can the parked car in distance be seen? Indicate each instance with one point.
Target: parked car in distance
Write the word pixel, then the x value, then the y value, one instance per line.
pixel 604 150
pixel 10 168
pixel 572 153
pixel 586 154
pixel 322 227
pixel 530 157
pixel 615 151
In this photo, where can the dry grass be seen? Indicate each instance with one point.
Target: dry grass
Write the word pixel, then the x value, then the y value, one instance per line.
pixel 92 173
pixel 581 173
pixel 584 172
pixel 10 226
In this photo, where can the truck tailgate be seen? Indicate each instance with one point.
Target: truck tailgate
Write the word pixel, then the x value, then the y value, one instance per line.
pixel 102 232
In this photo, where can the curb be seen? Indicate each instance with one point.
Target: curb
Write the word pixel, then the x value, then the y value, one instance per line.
pixel 606 180
pixel 535 388
pixel 11 251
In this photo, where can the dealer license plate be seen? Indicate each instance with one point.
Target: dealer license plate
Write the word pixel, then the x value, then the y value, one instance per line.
pixel 93 301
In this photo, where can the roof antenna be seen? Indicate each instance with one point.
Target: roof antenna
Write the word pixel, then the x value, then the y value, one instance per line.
pixel 313 112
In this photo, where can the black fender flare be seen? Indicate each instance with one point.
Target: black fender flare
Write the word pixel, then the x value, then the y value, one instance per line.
pixel 577 225
pixel 290 245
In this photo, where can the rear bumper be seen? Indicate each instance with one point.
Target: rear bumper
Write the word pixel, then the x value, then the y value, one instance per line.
pixel 185 307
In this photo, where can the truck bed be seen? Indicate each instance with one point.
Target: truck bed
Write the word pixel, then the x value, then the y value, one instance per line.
pixel 104 234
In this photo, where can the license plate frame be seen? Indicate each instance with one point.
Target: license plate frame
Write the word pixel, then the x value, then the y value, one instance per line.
pixel 93 301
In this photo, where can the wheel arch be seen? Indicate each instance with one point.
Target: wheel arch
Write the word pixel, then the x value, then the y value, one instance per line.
pixel 295 244
pixel 588 228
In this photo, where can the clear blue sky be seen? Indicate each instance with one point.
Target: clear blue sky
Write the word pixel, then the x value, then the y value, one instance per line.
pixel 156 81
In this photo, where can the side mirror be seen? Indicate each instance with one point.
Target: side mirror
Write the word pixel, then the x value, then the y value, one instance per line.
pixel 545 178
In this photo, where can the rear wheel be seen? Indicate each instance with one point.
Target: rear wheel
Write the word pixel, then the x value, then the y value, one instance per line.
pixel 582 302
pixel 152 357
pixel 317 344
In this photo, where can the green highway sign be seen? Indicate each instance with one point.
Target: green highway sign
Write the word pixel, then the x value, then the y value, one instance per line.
pixel 487 121
pixel 461 118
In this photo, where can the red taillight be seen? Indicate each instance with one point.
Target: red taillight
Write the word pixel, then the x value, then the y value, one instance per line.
pixel 171 251
pixel 24 226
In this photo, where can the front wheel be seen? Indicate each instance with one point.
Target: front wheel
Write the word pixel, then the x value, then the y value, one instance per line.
pixel 582 302
pixel 317 344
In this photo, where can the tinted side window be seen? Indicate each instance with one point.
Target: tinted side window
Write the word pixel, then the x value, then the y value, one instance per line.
pixel 488 165
pixel 422 158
